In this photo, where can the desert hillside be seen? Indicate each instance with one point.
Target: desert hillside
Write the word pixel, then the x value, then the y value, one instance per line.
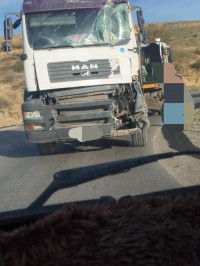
pixel 184 40
pixel 183 37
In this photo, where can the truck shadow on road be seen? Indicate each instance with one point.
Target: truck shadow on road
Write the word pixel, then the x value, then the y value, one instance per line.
pixel 91 146
pixel 13 144
pixel 178 141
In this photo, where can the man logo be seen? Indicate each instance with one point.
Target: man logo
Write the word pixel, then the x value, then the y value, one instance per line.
pixel 85 67
pixel 76 67
pixel 85 73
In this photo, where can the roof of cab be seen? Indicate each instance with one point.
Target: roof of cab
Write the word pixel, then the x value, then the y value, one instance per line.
pixel 32 6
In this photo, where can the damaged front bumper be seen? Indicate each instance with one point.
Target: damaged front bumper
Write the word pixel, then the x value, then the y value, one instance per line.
pixel 58 122
pixel 83 121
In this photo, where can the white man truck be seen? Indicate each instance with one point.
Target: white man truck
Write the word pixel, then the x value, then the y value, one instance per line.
pixel 82 71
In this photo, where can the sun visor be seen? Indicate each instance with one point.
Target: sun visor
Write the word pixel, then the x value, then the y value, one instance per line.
pixel 32 6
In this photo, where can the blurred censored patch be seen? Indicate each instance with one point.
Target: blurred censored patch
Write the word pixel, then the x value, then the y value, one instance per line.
pixel 174 92
pixel 178 108
pixel 173 113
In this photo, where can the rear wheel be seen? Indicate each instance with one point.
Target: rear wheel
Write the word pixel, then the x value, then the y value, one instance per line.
pixel 139 138
pixel 46 148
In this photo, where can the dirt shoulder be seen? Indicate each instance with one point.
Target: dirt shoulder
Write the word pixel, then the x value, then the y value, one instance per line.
pixel 185 169
pixel 12 84
pixel 10 112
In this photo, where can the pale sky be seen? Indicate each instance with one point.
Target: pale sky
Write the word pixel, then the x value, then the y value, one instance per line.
pixel 154 10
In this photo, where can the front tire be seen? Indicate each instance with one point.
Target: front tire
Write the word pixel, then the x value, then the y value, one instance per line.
pixel 46 148
pixel 139 138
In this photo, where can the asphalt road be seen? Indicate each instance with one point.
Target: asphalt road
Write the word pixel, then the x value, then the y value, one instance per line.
pixel 24 174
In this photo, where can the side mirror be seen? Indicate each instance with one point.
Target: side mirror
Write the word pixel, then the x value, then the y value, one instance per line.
pixel 140 21
pixel 169 55
pixel 140 36
pixel 8 29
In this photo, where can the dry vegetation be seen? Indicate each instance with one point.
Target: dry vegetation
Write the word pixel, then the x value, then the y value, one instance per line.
pixel 12 84
pixel 183 37
pixel 184 40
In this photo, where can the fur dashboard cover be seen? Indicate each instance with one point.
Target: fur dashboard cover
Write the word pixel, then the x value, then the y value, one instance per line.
pixel 132 231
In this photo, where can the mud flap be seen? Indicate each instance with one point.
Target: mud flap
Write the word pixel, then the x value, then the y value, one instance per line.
pixel 140 104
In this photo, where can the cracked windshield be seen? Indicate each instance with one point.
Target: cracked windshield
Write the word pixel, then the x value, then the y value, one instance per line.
pixel 86 85
pixel 108 25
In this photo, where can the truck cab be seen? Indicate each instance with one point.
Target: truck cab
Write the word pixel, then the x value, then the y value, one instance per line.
pixel 82 72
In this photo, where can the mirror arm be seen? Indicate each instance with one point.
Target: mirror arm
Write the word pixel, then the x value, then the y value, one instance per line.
pixel 135 7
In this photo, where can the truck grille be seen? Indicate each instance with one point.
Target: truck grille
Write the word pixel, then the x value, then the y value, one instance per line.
pixel 93 109
pixel 76 70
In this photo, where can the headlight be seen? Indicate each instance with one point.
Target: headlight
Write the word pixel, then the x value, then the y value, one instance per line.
pixel 34 114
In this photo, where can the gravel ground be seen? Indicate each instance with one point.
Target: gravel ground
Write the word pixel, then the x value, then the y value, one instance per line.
pixel 186 169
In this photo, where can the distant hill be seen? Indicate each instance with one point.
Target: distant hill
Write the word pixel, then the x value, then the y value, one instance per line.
pixel 183 37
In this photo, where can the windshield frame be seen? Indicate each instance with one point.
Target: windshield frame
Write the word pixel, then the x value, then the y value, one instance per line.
pixel 72 31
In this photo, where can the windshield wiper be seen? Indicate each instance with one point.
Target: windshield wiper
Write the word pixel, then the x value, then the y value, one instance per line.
pixel 77 176
pixel 74 177
pixel 96 44
pixel 73 46
pixel 54 46
pixel 62 45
